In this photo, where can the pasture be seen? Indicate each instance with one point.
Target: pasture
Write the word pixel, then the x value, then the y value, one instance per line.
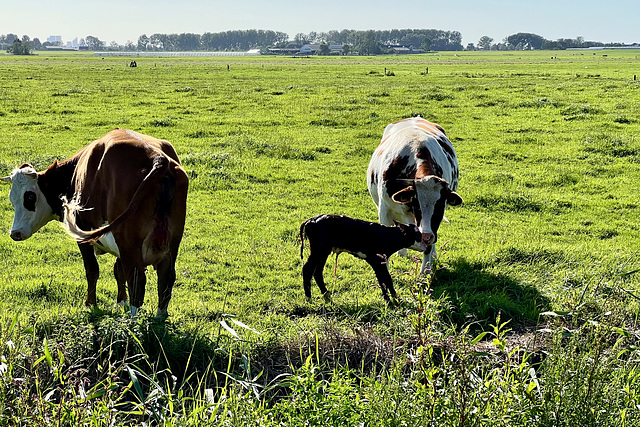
pixel 547 239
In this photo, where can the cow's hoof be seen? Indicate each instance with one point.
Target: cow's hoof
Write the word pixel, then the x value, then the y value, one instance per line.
pixel 162 314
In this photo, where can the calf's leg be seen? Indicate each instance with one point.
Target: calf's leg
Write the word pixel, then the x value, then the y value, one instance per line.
pixel 307 272
pixel 320 263
pixel 313 267
pixel 379 266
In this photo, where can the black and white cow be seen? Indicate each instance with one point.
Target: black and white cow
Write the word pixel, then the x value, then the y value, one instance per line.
pixel 412 177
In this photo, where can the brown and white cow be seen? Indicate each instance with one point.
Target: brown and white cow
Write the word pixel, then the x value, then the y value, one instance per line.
pixel 412 176
pixel 129 191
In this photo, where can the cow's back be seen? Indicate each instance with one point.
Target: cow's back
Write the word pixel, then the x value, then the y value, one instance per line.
pixel 108 173
pixel 410 149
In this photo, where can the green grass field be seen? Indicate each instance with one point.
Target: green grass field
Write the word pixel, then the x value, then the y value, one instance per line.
pixel 550 165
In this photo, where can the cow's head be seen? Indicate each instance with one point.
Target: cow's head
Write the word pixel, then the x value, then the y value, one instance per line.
pixel 427 198
pixel 32 210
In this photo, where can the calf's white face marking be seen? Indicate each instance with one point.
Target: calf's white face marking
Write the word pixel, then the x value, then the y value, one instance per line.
pixel 32 211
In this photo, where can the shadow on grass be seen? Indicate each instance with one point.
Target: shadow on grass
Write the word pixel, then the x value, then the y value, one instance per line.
pixel 476 296
pixel 163 354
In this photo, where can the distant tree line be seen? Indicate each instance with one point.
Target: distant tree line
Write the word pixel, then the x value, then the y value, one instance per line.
pixel 363 42
pixel 370 42
pixel 239 40
pixel 18 46
pixel 530 41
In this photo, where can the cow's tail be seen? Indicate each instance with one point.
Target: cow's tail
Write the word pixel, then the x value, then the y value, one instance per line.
pixel 148 184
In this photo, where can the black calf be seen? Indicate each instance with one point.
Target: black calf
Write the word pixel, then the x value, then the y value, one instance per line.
pixel 370 241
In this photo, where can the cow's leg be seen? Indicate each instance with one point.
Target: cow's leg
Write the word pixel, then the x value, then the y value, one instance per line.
pixel 166 278
pixel 136 281
pixel 317 274
pixel 384 278
pixel 428 257
pixel 121 280
pixel 384 215
pixel 92 271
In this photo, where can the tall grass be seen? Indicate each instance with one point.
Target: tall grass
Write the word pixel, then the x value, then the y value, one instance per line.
pixel 570 373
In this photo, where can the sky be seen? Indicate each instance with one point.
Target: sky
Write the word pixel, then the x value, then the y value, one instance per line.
pixel 123 20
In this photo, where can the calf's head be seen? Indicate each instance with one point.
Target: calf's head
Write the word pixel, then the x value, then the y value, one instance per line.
pixel 427 198
pixel 412 236
pixel 30 205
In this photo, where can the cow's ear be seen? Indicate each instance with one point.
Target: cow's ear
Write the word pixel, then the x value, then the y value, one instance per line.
pixel 6 179
pixel 29 173
pixel 404 196
pixel 53 167
pixel 454 199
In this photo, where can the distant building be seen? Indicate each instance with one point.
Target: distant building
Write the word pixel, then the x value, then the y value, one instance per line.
pixel 309 49
pixel 55 39
pixel 405 50
pixel 284 50
pixel 312 49
pixel 60 48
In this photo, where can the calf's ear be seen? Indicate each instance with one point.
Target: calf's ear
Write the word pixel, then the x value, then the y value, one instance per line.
pixel 404 196
pixel 405 228
pixel 6 179
pixel 454 199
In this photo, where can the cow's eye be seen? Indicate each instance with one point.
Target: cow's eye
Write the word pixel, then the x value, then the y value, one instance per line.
pixel 30 201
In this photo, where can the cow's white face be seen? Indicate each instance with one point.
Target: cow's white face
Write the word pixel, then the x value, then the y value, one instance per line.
pixel 32 211
pixel 428 198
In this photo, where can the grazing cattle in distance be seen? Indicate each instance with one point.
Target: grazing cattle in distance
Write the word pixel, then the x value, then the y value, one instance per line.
pixel 123 194
pixel 413 176
pixel 370 241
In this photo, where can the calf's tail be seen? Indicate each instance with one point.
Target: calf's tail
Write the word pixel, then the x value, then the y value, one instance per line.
pixel 301 236
pixel 151 181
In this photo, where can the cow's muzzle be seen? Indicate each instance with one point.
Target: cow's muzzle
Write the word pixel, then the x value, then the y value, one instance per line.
pixel 428 239
pixel 419 246
pixel 18 235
